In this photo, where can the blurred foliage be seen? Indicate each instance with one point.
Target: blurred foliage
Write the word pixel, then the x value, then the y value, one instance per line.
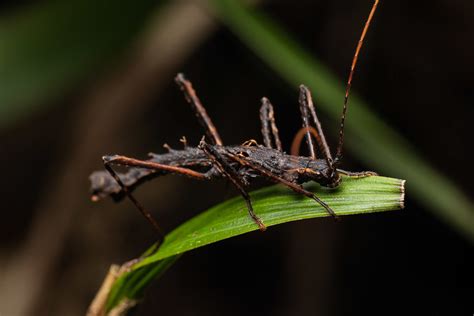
pixel 368 137
pixel 48 47
pixel 274 205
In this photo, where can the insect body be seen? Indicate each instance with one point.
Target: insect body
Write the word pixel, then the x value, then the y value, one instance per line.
pixel 238 164
pixel 288 167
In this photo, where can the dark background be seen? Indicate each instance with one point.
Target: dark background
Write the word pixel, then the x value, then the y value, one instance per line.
pixel 415 71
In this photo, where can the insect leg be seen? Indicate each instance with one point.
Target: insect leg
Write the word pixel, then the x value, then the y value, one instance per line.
pixel 132 162
pixel 143 211
pixel 230 173
pixel 198 109
pixel 305 118
pixel 294 186
pixel 306 105
pixel 321 139
pixel 361 174
pixel 126 161
pixel 267 115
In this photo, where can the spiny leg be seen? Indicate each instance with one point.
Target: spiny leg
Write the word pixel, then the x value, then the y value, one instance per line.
pixel 306 98
pixel 294 186
pixel 198 109
pixel 267 115
pixel 305 117
pixel 230 173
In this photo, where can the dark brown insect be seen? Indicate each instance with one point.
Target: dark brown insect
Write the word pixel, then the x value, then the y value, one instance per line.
pixel 238 164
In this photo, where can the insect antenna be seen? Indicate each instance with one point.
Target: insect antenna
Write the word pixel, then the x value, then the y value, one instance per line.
pixel 349 81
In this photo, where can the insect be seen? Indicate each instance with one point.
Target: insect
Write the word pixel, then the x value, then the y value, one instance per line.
pixel 242 163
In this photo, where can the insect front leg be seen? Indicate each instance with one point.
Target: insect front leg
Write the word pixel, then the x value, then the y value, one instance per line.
pixel 230 173
pixel 267 116
pixel 275 178
pixel 307 110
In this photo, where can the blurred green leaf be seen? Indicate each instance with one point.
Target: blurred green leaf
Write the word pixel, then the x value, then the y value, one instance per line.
pixel 274 205
pixel 367 136
pixel 48 47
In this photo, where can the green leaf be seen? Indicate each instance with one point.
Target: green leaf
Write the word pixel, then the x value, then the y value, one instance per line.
pixel 367 136
pixel 274 205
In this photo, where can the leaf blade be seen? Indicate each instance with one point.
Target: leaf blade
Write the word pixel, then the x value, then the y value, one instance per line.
pixel 274 205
